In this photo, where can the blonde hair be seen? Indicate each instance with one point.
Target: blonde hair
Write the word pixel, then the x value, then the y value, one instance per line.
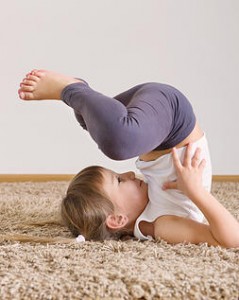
pixel 86 206
pixel 84 210
pixel 25 238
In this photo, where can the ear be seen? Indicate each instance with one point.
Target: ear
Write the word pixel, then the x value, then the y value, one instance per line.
pixel 117 221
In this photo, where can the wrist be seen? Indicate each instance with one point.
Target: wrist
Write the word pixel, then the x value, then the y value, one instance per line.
pixel 197 192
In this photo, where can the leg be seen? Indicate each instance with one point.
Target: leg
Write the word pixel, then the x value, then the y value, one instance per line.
pixel 122 131
pixel 131 124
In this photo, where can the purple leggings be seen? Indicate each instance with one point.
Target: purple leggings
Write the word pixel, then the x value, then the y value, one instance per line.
pixel 149 116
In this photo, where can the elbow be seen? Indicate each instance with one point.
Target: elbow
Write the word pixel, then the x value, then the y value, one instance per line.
pixel 230 245
pixel 233 243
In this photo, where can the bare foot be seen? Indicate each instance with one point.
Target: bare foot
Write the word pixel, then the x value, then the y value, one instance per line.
pixel 43 84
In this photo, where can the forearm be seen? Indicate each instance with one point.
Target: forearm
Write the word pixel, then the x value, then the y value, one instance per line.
pixel 223 226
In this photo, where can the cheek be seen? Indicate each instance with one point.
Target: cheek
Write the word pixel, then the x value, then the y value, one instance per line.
pixel 138 194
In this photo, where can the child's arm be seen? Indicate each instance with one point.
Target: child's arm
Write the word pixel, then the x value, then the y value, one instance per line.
pixel 223 228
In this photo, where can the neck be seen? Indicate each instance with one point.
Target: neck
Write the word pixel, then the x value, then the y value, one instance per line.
pixel 130 225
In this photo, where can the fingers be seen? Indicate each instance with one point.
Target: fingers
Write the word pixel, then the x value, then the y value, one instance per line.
pixel 169 185
pixel 196 158
pixel 197 161
pixel 176 161
pixel 188 156
pixel 202 164
pixel 194 161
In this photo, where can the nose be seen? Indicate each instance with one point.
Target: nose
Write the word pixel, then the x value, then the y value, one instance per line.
pixel 128 175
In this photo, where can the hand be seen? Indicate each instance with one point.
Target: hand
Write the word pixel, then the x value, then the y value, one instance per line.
pixel 189 173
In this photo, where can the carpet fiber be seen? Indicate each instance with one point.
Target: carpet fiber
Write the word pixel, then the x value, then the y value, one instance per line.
pixel 108 270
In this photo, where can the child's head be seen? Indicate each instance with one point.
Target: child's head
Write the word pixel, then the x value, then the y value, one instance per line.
pixel 101 204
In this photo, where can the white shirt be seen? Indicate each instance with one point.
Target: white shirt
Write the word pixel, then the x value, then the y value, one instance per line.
pixel 170 202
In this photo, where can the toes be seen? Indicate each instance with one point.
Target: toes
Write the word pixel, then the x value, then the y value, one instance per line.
pixel 40 73
pixel 31 72
pixel 28 82
pixel 21 94
pixel 35 74
pixel 27 88
pixel 34 71
pixel 32 77
pixel 25 95
pixel 29 96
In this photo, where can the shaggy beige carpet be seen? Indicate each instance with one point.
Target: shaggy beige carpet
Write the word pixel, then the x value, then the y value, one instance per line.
pixel 109 270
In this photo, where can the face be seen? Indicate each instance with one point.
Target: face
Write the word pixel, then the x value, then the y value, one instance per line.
pixel 128 194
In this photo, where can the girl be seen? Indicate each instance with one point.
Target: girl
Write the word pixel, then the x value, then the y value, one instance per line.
pixel 101 204
pixel 146 121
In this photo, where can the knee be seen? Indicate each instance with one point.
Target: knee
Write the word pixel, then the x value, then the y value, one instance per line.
pixel 117 150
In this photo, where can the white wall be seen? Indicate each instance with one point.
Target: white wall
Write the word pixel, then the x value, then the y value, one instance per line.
pixel 191 44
